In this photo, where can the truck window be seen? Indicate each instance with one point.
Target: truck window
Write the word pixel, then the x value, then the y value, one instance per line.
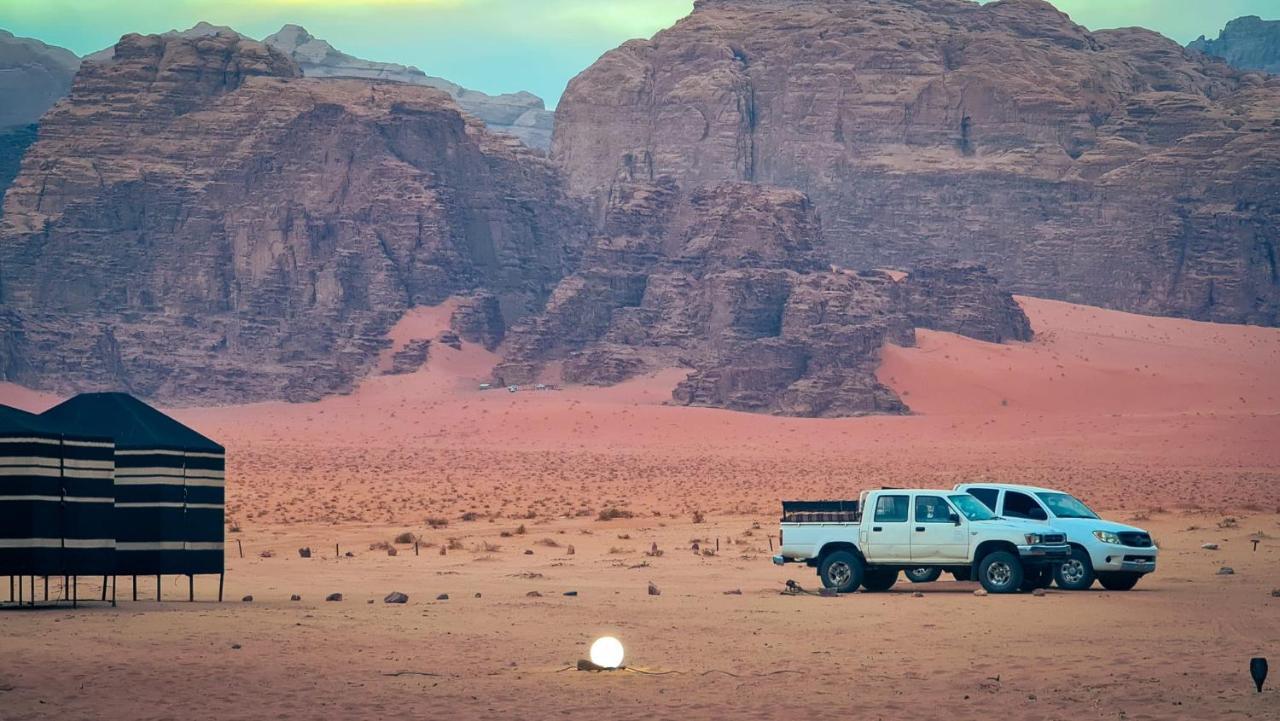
pixel 891 509
pixel 932 509
pixel 986 495
pixel 1020 505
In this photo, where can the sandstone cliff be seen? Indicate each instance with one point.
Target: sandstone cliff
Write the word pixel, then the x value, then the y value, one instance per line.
pixel 1110 168
pixel 1248 43
pixel 199 223
pixel 33 76
pixel 731 282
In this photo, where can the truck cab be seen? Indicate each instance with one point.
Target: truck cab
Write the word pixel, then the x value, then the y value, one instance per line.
pixel 867 542
pixel 1114 554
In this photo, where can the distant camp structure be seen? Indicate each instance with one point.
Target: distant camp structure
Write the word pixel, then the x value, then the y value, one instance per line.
pixel 165 482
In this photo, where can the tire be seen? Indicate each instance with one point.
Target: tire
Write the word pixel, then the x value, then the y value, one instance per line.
pixel 1119 581
pixel 1000 572
pixel 962 576
pixel 1039 577
pixel 879 581
pixel 923 575
pixel 842 571
pixel 1075 574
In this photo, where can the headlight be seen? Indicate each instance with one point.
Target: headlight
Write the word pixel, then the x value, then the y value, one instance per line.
pixel 1034 538
pixel 1107 537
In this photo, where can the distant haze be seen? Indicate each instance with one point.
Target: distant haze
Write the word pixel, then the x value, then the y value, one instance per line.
pixel 496 45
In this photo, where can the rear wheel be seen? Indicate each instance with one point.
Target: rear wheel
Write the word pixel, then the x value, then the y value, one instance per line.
pixel 842 571
pixel 1000 572
pixel 879 580
pixel 1075 574
pixel 1119 581
pixel 923 575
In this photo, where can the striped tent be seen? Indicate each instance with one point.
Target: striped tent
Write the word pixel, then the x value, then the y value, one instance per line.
pixel 56 499
pixel 168 483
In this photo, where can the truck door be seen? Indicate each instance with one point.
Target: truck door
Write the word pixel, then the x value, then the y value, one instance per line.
pixel 935 535
pixel 1020 505
pixel 888 534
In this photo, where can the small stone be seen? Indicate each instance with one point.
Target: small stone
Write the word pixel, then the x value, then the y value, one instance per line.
pixel 235 646
pixel 295 597
pixel 477 594
pixel 333 597
pixel 570 550
pixel 442 597
pixel 917 594
pixel 370 602
pixel 304 553
pixel 247 599
pixel 528 552
pixel 571 593
pixel 1039 592
pixel 267 554
pixel 653 589
pixel 396 597
pixel 980 592
pixel 1210 546
pixel 1226 571
pixel 734 592
pixel 391 550
pixel 533 594
pixel 1275 593
pixel 349 554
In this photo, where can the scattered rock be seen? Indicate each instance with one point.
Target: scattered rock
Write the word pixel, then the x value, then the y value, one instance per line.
pixel 571 593
pixel 1038 592
pixel 1226 571
pixel 442 597
pixel 1210 546
pixel 247 599
pixel 653 589
pixel 570 550
pixel 396 597
pixel 267 554
pixel 370 602
pixel 391 550
pixel 980 592
pixel 304 553
pixel 295 597
pixel 734 592
pixel 477 594
pixel 917 594
pixel 533 594
pixel 349 554
pixel 528 552
pixel 410 358
pixel 333 597
pixel 235 646
pixel 1275 593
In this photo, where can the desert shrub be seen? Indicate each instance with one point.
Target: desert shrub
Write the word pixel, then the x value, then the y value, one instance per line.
pixel 608 514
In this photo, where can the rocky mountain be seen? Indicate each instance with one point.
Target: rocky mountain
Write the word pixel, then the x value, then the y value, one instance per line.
pixel 732 282
pixel 1111 168
pixel 198 222
pixel 1248 43
pixel 33 76
pixel 522 114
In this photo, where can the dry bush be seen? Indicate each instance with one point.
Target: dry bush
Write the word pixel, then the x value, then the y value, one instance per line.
pixel 520 530
pixel 406 537
pixel 617 551
pixel 548 542
pixel 435 522
pixel 698 517
pixel 486 547
pixel 379 546
pixel 455 544
pixel 608 514
pixel 470 516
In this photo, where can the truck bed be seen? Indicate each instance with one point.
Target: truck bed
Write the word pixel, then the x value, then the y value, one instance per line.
pixel 820 512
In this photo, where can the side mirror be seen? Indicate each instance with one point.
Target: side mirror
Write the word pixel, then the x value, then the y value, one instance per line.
pixel 955 518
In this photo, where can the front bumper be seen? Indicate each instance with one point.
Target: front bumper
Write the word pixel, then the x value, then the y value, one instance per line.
pixel 1125 559
pixel 1044 553
pixel 779 560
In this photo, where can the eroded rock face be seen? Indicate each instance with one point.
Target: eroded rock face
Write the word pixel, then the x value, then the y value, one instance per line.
pixel 33 76
pixel 199 223
pixel 730 281
pixel 1248 43
pixel 1111 168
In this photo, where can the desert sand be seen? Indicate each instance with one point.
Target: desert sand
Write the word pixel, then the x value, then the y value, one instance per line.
pixel 1172 424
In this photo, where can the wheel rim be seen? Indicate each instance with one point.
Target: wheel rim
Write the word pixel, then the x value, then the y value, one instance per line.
pixel 1073 571
pixel 839 573
pixel 999 573
pixel 918 573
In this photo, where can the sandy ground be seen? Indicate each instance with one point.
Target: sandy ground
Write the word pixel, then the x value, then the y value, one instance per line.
pixel 1164 419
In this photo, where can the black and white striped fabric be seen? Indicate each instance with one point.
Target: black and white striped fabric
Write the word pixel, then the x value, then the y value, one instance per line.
pixel 56 500
pixel 169 485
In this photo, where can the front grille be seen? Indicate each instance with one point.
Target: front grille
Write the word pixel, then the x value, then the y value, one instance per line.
pixel 1139 559
pixel 1135 539
pixel 1054 538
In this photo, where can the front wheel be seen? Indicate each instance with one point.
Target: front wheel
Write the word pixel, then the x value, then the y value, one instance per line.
pixel 923 575
pixel 1000 572
pixel 842 571
pixel 1075 574
pixel 1119 581
pixel 878 580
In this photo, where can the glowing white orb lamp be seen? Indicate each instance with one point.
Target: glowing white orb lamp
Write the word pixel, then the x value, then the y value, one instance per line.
pixel 607 652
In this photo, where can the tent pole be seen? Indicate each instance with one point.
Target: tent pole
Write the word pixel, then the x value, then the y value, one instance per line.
pixel 46 589
pixel 191 587
pixel 19 589
pixel 104 588
pixel 115 581
pixel 221 576
pixel 157 587
pixel 11 589
pixel 135 588
pixel 75 591
pixel 33 591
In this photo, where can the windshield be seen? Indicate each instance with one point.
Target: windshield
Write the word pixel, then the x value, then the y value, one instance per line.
pixel 971 507
pixel 1064 506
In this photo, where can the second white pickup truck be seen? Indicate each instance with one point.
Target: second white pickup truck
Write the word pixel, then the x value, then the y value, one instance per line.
pixel 905 529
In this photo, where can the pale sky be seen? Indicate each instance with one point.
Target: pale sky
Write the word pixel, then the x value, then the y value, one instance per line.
pixel 496 45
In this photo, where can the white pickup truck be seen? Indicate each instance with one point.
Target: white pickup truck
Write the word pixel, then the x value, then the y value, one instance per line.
pixel 1115 554
pixel 905 529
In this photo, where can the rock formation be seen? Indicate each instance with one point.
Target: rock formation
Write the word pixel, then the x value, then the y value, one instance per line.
pixel 33 76
pixel 199 223
pixel 1248 43
pixel 1111 168
pixel 731 282
pixel 521 114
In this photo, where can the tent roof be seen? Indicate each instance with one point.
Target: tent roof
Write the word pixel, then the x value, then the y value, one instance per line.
pixel 132 423
pixel 17 421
